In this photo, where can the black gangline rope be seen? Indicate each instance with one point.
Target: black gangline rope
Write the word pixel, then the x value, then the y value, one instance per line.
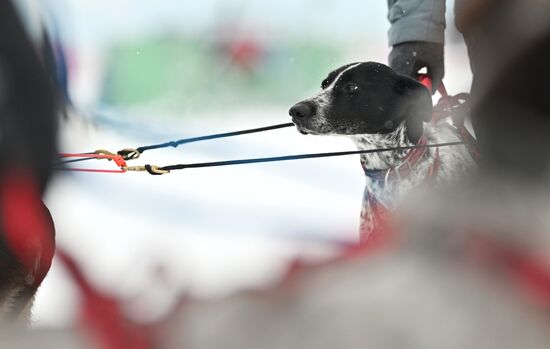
pixel 175 144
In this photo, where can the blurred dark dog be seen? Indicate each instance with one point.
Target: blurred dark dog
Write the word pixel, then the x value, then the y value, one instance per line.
pixel 29 106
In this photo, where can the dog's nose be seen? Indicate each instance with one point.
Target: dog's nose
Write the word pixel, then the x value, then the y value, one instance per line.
pixel 301 110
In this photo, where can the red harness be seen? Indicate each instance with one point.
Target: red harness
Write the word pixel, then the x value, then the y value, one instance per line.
pixel 379 214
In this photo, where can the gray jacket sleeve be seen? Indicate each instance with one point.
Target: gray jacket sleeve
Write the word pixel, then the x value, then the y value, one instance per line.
pixel 416 20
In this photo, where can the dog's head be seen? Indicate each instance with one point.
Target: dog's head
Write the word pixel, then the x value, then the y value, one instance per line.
pixel 364 98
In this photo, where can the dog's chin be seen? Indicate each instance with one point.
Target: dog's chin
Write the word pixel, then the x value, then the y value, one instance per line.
pixel 311 130
pixel 312 127
pixel 319 129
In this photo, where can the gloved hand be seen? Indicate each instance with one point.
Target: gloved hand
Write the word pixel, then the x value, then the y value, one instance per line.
pixel 409 57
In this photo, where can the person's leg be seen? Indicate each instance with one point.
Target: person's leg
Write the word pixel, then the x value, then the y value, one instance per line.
pixel 510 89
pixel 513 117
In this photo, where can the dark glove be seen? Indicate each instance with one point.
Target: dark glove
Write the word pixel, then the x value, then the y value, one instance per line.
pixel 409 57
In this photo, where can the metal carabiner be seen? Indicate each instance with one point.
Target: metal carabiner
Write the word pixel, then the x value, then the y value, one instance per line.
pixel 152 169
pixel 129 153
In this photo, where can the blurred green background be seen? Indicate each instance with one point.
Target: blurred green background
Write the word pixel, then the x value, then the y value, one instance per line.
pixel 176 72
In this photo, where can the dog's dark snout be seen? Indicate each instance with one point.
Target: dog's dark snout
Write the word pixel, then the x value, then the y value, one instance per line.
pixel 301 110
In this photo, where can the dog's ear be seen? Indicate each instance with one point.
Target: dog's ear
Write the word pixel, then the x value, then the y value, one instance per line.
pixel 416 105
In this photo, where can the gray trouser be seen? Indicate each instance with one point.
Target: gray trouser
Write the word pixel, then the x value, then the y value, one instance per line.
pixel 509 48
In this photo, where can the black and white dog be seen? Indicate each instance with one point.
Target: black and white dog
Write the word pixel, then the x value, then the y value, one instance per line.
pixel 379 108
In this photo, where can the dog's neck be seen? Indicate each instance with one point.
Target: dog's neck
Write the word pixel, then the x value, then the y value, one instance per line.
pixel 387 159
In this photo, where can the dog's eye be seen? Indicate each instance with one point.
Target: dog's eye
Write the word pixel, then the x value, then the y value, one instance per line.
pixel 324 84
pixel 351 87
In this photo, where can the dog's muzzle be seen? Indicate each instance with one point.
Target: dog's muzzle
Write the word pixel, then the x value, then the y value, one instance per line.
pixel 302 113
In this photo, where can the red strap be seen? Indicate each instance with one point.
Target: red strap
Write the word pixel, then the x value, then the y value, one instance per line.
pixel 449 103
pixel 434 168
pixel 425 80
pixel 410 159
pixel 92 170
pixel 530 275
pixel 102 315
pixel 117 159
pixel 378 230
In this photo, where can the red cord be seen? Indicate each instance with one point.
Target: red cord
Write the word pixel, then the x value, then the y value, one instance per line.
pixel 102 315
pixel 117 159
pixel 92 170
